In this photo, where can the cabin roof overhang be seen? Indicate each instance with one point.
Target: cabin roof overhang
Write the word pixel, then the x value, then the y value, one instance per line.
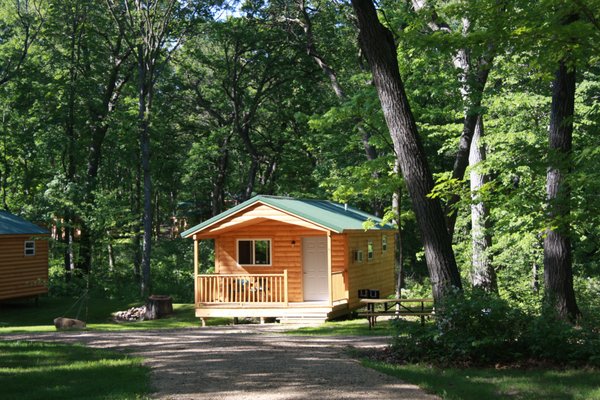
pixel 12 225
pixel 320 215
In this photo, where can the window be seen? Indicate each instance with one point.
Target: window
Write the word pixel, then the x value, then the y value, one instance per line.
pixel 30 248
pixel 358 256
pixel 370 250
pixel 384 243
pixel 254 252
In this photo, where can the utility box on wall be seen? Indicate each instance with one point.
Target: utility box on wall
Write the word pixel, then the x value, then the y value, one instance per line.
pixel 368 294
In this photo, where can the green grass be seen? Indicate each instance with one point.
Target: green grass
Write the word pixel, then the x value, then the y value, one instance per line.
pixel 24 317
pixel 350 327
pixel 58 371
pixel 476 384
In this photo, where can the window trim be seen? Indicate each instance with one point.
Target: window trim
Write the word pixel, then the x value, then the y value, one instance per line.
pixel 30 248
pixel 370 250
pixel 358 256
pixel 384 243
pixel 253 240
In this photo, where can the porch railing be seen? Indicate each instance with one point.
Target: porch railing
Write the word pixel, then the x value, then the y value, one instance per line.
pixel 242 288
pixel 338 286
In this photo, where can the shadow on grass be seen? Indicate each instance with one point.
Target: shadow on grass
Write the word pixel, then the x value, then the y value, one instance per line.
pixel 58 371
pixel 475 384
pixel 27 317
pixel 350 327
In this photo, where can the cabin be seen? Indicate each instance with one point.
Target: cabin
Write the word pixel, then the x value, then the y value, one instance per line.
pixel 292 259
pixel 23 258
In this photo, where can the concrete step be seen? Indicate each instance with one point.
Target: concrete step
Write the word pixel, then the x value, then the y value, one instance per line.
pixel 313 318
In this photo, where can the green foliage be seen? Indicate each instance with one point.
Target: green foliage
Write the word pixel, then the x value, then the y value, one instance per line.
pixel 173 270
pixel 496 383
pixel 61 371
pixel 478 328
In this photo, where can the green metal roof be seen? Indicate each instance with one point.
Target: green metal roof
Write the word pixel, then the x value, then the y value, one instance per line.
pixel 10 224
pixel 330 215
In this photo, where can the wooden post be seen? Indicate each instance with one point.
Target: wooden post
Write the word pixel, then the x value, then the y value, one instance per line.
pixel 196 255
pixel 329 270
pixel 285 287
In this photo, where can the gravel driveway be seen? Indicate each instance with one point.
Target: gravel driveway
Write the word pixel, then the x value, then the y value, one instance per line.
pixel 248 362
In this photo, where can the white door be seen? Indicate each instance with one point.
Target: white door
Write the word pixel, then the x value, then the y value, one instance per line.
pixel 314 264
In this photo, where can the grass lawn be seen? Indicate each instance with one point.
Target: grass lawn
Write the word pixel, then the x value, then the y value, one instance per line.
pixel 352 327
pixel 22 317
pixel 58 371
pixel 476 384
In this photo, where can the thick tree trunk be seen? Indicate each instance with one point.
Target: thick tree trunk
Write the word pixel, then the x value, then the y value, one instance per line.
pixel 378 45
pixel 483 274
pixel 558 272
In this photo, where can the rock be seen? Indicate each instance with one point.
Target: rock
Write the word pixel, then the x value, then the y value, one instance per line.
pixel 68 323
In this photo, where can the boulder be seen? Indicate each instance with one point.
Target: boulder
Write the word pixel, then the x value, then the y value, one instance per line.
pixel 68 323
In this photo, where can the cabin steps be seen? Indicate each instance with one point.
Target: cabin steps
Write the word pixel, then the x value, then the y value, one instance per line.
pixel 306 318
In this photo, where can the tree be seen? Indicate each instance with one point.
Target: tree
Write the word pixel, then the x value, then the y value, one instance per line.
pixel 21 24
pixel 149 29
pixel 558 272
pixel 378 45
pixel 483 275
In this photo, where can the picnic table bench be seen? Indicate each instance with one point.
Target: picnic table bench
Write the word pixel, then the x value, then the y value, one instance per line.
pixel 397 308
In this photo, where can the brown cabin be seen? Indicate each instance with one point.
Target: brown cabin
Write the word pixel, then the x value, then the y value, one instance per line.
pixel 291 259
pixel 23 258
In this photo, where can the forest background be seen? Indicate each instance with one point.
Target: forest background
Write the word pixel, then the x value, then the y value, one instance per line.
pixel 123 122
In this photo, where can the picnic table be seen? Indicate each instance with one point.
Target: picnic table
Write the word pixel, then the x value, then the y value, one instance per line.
pixel 396 307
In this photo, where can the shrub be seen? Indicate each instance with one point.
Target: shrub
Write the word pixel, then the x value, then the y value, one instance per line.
pixel 476 328
pixel 472 328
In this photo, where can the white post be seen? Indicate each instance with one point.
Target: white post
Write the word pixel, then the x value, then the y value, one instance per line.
pixel 329 270
pixel 196 261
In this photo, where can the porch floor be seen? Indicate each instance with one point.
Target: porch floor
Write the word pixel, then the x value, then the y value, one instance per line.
pixel 313 309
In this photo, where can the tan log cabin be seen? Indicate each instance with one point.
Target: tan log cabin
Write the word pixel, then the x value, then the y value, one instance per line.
pixel 291 259
pixel 23 258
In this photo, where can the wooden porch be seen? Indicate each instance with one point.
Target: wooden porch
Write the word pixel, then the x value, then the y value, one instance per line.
pixel 264 295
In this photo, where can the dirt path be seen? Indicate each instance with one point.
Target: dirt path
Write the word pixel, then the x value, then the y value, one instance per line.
pixel 248 362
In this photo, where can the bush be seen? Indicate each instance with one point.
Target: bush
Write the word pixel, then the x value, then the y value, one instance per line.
pixel 476 328
pixel 172 270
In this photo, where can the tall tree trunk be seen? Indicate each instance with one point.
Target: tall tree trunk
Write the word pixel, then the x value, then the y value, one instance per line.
pixel 558 272
pixel 483 274
pixel 378 45
pixel 99 129
pixel 70 166
pixel 5 166
pixel 397 211
pixel 218 194
pixel 145 92
pixel 473 78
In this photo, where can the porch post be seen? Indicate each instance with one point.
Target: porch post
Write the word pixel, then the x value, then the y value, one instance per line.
pixel 285 287
pixel 196 257
pixel 329 270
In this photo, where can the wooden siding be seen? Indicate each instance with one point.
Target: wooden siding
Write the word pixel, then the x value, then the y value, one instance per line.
pixel 285 255
pixel 20 275
pixel 377 273
pixel 254 214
